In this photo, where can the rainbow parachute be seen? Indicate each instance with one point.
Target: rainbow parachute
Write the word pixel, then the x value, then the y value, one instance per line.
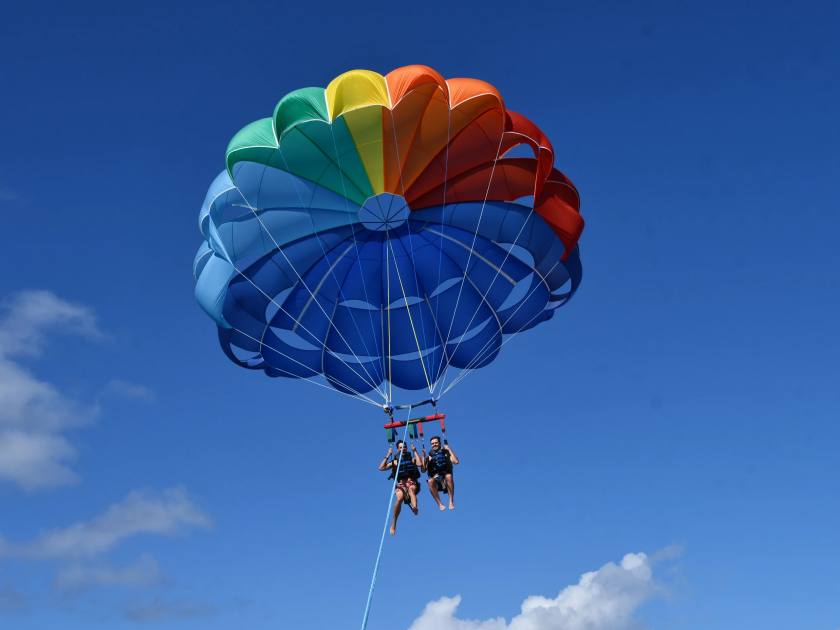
pixel 381 233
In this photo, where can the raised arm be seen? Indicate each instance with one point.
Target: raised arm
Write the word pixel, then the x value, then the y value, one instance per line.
pixel 452 456
pixel 383 465
pixel 418 461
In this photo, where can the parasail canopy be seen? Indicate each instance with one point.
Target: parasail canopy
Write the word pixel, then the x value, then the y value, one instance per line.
pixel 383 233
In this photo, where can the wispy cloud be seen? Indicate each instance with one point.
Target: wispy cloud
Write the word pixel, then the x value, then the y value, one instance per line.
pixel 80 577
pixel 134 391
pixel 606 599
pixel 34 414
pixel 165 513
pixel 30 315
pixel 35 459
pixel 161 610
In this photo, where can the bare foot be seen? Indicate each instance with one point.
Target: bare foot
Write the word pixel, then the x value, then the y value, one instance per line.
pixel 441 507
pixel 393 529
pixel 414 509
pixel 451 505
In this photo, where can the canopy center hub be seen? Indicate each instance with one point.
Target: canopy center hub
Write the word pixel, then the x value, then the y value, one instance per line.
pixel 384 211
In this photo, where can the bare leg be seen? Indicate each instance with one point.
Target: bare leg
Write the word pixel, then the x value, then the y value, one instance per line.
pixel 412 498
pixel 397 508
pixel 450 485
pixel 435 494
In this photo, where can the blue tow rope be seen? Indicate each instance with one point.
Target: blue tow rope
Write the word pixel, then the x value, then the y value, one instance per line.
pixel 384 531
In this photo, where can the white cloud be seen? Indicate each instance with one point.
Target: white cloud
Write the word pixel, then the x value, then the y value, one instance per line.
pixel 606 599
pixel 34 414
pixel 164 513
pixel 35 405
pixel 79 577
pixel 30 315
pixel 35 459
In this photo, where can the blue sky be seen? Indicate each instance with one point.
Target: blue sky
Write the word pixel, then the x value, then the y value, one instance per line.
pixel 684 405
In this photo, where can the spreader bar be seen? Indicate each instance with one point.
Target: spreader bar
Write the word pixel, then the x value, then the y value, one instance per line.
pixel 395 424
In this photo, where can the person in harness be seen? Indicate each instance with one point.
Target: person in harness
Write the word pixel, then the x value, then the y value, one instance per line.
pixel 438 463
pixel 407 470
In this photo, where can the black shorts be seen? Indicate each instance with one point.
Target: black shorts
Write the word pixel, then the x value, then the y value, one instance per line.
pixel 440 482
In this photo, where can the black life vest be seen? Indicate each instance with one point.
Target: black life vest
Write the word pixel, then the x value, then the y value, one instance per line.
pixel 440 462
pixel 407 468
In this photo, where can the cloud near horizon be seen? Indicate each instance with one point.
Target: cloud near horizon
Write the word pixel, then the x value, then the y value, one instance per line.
pixel 606 599
pixel 34 415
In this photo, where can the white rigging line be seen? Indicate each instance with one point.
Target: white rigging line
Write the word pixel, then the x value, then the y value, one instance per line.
pixel 388 307
pixel 425 297
pixel 410 318
pixel 505 259
pixel 479 356
pixel 320 242
pixel 499 271
pixel 413 263
pixel 303 283
pixel 460 377
pixel 356 395
pixel 482 300
pixel 472 247
pixel 280 307
pixel 358 254
pixel 445 355
pixel 467 370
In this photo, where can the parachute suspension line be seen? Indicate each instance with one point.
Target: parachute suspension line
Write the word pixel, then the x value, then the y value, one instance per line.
pixel 366 614
pixel 515 311
pixel 372 381
pixel 388 315
pixel 481 353
pixel 410 318
pixel 280 307
pixel 323 249
pixel 438 331
pixel 355 242
pixel 496 275
pixel 477 291
pixel 413 266
pixel 472 248
pixel 382 344
pixel 479 356
pixel 444 355
pixel 355 396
